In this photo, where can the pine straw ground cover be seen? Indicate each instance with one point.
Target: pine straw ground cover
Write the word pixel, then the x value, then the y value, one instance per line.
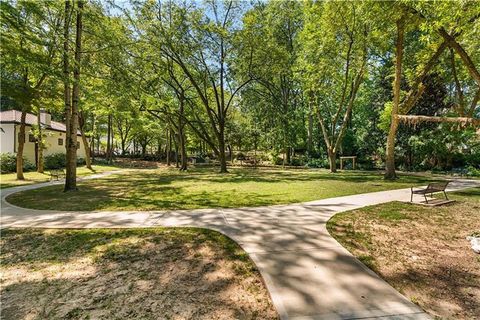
pixel 158 273
pixel 421 251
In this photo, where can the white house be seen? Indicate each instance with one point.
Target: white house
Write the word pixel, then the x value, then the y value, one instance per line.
pixel 53 131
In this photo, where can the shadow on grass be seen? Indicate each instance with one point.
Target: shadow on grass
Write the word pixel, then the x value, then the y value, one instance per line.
pixel 32 246
pixel 137 273
pixel 456 283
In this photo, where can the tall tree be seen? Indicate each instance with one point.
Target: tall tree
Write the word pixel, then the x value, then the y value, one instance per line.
pixel 29 47
pixel 336 40
pixel 71 108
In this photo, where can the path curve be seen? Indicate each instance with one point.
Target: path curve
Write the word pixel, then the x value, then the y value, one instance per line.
pixel 309 275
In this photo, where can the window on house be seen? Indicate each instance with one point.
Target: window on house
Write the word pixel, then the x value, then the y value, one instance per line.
pixel 31 138
pixel 60 141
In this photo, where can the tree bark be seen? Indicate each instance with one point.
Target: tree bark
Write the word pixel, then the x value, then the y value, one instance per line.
pixel 109 147
pixel 40 145
pixel 176 151
pixel 169 146
pixel 86 146
pixel 88 159
pixel 461 120
pixel 310 134
pixel 71 143
pixel 463 55
pixel 21 145
pixel 332 159
pixel 221 150
pixel 390 173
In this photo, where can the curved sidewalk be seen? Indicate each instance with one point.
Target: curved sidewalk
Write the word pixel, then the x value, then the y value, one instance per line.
pixel 308 274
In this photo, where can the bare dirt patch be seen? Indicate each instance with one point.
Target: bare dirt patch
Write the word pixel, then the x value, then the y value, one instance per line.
pixel 129 274
pixel 421 251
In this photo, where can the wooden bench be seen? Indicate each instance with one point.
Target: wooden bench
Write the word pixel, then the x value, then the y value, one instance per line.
pixel 432 188
pixel 57 174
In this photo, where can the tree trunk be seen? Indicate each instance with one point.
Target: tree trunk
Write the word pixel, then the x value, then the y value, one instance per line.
pixel 181 134
pixel 71 144
pixel 310 134
pixel 183 151
pixel 109 126
pixel 40 145
pixel 332 160
pixel 86 146
pixel 467 61
pixel 390 173
pixel 169 146
pixel 221 151
pixel 176 151
pixel 230 153
pixel 66 77
pixel 21 144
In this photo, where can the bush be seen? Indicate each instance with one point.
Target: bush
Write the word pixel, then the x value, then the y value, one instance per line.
pixel 8 163
pixel 297 161
pixel 100 161
pixel 200 159
pixel 318 163
pixel 55 161
pixel 81 162
pixel 472 171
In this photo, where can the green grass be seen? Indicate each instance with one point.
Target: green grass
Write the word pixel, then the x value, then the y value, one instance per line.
pixel 8 180
pixel 57 246
pixel 153 189
pixel 419 250
pixel 348 227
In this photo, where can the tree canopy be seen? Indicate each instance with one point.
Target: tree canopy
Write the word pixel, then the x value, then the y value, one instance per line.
pixel 395 83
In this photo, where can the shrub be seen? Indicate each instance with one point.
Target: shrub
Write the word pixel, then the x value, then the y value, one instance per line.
pixel 55 161
pixel 297 161
pixel 318 163
pixel 472 171
pixel 8 163
pixel 81 162
pixel 101 161
pixel 200 159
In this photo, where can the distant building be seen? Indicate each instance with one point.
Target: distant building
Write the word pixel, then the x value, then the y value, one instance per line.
pixel 53 132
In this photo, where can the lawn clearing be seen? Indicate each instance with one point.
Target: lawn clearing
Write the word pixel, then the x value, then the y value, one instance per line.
pixel 8 180
pixel 168 273
pixel 167 188
pixel 421 251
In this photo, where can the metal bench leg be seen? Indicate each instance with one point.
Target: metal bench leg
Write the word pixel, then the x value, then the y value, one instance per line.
pixel 425 196
pixel 411 197
pixel 445 194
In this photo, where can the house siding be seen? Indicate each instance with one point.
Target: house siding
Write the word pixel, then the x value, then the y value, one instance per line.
pixel 9 142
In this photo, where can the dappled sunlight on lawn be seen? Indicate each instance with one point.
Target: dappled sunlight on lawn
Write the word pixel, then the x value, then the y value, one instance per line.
pixel 167 188
pixel 125 273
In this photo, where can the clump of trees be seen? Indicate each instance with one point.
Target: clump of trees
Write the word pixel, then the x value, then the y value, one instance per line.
pixel 395 83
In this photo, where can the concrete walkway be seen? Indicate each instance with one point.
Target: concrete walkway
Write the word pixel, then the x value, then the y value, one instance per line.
pixel 308 274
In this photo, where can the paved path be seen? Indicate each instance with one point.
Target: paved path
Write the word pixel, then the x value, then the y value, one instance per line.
pixel 308 274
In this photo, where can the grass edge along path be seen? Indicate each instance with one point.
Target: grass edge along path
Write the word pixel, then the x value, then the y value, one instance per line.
pixel 189 273
pixel 168 189
pixel 421 251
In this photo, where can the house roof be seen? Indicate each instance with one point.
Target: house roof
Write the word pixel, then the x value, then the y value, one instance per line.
pixel 14 116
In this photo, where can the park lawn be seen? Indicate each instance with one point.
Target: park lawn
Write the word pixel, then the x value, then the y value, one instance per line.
pixel 421 251
pixel 8 180
pixel 167 188
pixel 174 273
